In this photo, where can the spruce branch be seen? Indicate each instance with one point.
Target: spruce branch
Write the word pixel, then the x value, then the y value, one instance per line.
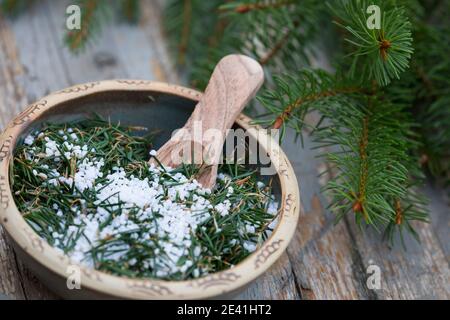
pixel 276 32
pixel 358 205
pixel 371 141
pixel 407 212
pixel 378 54
pixel 425 86
pixel 278 46
pixel 93 12
pixel 293 94
pixel 432 96
pixel 375 170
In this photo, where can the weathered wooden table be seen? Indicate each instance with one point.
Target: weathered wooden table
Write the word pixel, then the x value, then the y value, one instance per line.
pixel 324 261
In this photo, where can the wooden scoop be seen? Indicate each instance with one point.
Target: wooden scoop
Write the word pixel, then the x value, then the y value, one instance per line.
pixel 235 81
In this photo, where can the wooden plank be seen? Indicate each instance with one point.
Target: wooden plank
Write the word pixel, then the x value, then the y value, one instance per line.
pixel 278 283
pixel 12 91
pixel 152 25
pixel 16 76
pixel 419 272
pixel 326 264
pixel 10 280
pixel 38 53
pixel 325 261
pixel 439 207
pixel 11 94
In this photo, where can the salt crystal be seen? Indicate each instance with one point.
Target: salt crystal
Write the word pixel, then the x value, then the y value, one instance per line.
pixel 250 228
pixel 29 140
pixel 272 208
pixel 249 246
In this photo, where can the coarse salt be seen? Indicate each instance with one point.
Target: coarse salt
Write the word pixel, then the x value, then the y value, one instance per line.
pixel 160 209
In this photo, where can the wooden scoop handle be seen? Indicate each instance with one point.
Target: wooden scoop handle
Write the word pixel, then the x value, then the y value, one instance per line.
pixel 235 81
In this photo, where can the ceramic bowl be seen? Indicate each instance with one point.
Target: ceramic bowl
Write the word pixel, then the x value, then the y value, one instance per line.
pixel 152 105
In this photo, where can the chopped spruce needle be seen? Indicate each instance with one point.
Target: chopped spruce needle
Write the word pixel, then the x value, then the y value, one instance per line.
pixel 86 187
